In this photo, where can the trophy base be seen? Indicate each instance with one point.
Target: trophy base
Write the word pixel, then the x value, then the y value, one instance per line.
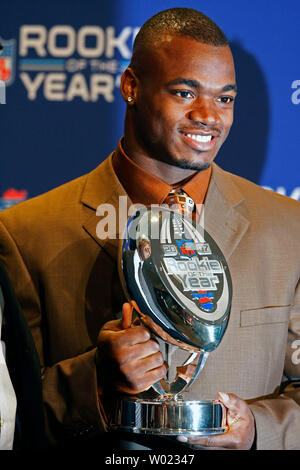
pixel 169 417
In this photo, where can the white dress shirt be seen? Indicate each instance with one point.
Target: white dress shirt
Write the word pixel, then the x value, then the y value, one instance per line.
pixel 8 401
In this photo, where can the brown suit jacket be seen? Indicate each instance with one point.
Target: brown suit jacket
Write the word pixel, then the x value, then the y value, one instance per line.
pixel 66 280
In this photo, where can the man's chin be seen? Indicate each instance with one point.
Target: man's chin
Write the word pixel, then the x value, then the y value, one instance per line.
pixel 190 164
pixel 193 163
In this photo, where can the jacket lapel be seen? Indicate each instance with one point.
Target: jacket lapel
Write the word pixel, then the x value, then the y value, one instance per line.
pixel 101 198
pixel 223 212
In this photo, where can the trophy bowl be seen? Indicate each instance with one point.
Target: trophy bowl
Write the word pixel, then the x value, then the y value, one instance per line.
pixel 180 281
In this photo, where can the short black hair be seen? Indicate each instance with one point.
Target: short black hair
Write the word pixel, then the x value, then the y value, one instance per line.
pixel 185 22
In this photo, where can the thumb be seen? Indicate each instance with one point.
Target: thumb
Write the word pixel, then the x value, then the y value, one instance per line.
pixel 231 401
pixel 235 405
pixel 126 316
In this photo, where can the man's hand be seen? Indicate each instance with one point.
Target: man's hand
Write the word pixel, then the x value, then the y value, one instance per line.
pixel 129 360
pixel 241 428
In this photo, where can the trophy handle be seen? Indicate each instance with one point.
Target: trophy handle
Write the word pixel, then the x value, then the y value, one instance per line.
pixel 184 377
pixel 203 355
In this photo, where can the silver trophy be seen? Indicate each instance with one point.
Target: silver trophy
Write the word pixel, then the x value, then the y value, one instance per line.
pixel 180 281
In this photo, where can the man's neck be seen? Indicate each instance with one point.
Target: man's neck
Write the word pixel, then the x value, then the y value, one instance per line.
pixel 170 174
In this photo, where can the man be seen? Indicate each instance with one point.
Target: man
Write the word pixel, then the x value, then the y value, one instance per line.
pixel 21 405
pixel 180 90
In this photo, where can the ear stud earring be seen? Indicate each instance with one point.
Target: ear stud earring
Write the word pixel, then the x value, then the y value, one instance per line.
pixel 129 99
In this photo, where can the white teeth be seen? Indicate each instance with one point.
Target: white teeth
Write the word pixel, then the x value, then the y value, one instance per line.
pixel 200 138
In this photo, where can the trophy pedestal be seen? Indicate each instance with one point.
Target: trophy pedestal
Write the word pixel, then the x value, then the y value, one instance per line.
pixel 169 417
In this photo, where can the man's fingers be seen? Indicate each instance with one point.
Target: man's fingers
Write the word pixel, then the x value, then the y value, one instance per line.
pixel 128 337
pixel 131 354
pixel 133 359
pixel 147 364
pixel 218 441
pixel 141 367
pixel 241 430
pixel 142 382
pixel 236 407
pixel 126 315
pixel 231 401
pixel 231 439
pixel 154 375
pixel 135 335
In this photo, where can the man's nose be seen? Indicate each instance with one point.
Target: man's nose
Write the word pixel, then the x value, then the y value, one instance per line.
pixel 204 111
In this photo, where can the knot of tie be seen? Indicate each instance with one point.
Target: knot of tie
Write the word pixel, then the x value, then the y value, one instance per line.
pixel 179 201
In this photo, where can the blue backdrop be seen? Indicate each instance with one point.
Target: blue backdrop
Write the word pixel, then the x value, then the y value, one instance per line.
pixel 62 62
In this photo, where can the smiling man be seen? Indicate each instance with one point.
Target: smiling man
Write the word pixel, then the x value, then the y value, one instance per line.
pixel 180 89
pixel 183 112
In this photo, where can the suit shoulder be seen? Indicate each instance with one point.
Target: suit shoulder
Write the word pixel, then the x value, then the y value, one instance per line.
pixel 267 198
pixel 49 205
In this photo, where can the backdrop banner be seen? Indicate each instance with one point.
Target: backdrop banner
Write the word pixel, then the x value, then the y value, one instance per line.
pixel 60 70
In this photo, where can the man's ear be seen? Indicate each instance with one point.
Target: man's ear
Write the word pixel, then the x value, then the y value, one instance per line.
pixel 129 86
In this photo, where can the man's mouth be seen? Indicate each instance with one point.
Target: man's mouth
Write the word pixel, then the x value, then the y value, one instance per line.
pixel 200 141
pixel 200 138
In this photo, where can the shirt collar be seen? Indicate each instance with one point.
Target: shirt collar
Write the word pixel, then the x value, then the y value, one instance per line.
pixel 144 188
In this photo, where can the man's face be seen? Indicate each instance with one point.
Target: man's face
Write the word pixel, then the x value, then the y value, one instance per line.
pixel 145 251
pixel 184 102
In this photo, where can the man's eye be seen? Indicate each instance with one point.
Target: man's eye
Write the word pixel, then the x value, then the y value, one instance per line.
pixel 183 94
pixel 226 99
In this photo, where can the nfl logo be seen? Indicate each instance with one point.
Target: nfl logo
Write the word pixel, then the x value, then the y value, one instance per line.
pixel 7 61
pixel 186 247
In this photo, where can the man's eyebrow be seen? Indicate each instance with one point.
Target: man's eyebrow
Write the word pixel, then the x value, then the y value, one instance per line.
pixel 230 87
pixel 195 84
pixel 184 81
